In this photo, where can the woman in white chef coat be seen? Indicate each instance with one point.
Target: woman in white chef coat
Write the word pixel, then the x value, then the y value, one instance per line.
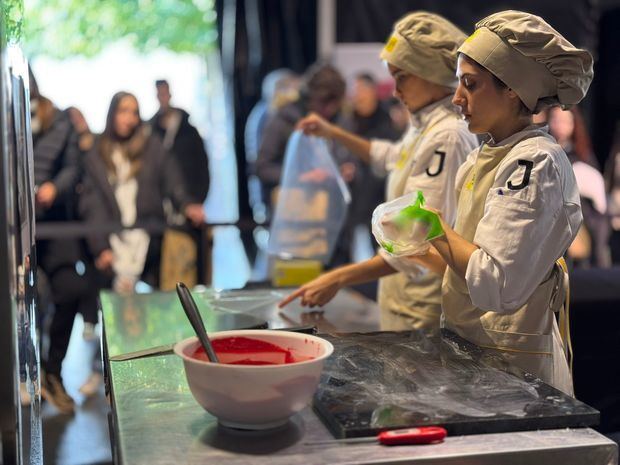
pixel 421 56
pixel 518 202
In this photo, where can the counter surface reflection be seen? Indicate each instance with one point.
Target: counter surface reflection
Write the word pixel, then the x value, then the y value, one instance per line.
pixel 155 419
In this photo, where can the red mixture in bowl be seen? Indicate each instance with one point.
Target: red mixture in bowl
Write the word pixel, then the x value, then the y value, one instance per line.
pixel 248 351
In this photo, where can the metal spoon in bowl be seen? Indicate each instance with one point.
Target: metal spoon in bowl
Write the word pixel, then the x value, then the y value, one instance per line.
pixel 191 310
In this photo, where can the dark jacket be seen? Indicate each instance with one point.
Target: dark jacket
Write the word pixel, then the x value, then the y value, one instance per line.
pixel 57 159
pixel 367 189
pixel 270 158
pixel 189 150
pixel 159 177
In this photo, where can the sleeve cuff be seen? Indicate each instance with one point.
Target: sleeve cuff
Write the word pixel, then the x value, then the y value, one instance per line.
pixel 483 283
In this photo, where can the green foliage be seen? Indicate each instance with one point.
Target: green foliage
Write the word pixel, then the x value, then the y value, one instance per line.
pixel 13 11
pixel 62 28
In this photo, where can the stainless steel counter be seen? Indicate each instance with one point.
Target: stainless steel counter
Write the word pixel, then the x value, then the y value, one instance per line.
pixel 156 420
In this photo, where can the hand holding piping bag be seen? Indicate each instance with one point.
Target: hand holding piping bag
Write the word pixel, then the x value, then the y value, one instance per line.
pixel 403 227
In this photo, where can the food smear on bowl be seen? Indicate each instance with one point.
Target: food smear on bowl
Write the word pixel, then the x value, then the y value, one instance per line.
pixel 247 351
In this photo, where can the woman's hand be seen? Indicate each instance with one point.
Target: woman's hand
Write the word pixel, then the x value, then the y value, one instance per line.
pixel 124 285
pixel 105 260
pixel 46 194
pixel 195 214
pixel 314 125
pixel 319 291
pixel 347 171
pixel 453 248
pixel 315 176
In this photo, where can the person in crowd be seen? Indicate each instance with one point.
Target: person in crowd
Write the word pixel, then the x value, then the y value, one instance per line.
pixel 127 175
pixel 371 120
pixel 63 261
pixel 280 87
pixel 322 91
pixel 93 383
pixel 518 200
pixel 86 140
pixel 591 246
pixel 183 141
pixel 421 57
pixel 612 180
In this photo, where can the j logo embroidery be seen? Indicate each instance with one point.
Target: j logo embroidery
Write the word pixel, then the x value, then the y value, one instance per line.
pixel 526 176
pixel 442 157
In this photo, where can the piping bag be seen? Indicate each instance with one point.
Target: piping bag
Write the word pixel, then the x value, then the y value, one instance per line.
pixel 403 227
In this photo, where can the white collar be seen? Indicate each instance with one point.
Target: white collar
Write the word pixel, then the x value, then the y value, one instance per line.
pixel 542 129
pixel 424 116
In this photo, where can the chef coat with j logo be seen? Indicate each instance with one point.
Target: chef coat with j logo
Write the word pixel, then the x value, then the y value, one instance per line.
pixel 519 203
pixel 427 159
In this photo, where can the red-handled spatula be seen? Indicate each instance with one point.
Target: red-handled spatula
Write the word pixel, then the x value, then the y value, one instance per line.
pixel 398 437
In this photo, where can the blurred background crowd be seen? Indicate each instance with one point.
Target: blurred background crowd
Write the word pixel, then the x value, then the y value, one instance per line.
pixel 155 121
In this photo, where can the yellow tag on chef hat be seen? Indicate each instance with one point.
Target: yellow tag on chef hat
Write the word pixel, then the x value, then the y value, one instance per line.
pixel 391 44
pixel 471 37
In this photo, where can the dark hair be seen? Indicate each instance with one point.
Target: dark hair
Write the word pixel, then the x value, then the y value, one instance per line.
pixel 132 145
pixel 323 82
pixel 161 82
pixel 109 121
pixel 581 139
pixel 44 109
pixel 611 181
pixel 582 144
pixel 367 78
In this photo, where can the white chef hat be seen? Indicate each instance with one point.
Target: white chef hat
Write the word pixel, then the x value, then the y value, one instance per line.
pixel 425 44
pixel 531 58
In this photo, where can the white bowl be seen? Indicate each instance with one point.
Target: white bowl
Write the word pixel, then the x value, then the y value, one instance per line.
pixel 256 396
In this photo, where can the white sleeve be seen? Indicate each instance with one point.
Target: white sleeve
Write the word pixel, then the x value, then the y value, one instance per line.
pixel 383 155
pixel 437 163
pixel 531 216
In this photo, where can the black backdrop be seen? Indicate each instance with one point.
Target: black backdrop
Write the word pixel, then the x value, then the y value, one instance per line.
pixel 257 36
pixel 371 20
pixel 605 92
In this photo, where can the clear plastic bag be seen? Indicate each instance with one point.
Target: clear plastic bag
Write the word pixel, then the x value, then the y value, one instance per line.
pixel 311 204
pixel 402 227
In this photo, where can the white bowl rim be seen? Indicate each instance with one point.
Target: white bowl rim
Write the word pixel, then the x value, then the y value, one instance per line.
pixel 181 345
